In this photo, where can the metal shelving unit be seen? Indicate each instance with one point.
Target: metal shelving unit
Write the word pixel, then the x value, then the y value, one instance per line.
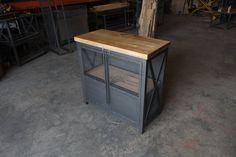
pixel 51 13
pixel 22 34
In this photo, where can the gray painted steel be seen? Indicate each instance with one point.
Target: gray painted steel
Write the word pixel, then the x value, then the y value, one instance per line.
pixel 138 108
pixel 22 30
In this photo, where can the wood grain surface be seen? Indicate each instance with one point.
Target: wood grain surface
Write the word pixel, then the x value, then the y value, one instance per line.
pixel 124 43
pixel 148 19
pixel 120 77
pixel 108 7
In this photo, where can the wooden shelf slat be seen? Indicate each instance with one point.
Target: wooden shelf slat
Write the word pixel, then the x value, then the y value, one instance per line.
pixel 119 77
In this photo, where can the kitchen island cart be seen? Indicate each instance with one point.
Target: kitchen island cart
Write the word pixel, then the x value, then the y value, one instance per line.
pixel 124 73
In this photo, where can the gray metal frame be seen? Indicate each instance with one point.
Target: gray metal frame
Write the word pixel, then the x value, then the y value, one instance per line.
pixel 225 21
pixel 106 14
pixel 26 30
pixel 139 109
pixel 50 14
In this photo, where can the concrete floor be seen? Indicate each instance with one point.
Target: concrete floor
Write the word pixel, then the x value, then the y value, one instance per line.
pixel 41 113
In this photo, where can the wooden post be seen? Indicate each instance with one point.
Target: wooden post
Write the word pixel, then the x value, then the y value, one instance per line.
pixel 148 18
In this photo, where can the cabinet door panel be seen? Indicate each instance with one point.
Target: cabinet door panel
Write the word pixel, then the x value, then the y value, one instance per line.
pixel 124 85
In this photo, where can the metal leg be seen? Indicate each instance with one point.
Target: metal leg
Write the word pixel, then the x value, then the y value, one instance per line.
pixel 162 78
pixel 66 26
pixel 104 22
pixel 143 72
pixel 228 22
pixel 106 68
pixel 96 21
pixel 15 53
pixel 125 16
pixel 80 54
pixel 57 44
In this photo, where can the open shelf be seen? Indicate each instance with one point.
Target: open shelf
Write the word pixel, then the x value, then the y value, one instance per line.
pixel 119 78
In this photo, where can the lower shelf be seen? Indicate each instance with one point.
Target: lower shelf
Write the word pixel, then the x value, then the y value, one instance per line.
pixel 119 78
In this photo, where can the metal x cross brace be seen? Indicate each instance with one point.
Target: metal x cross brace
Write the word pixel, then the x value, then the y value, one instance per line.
pixel 155 80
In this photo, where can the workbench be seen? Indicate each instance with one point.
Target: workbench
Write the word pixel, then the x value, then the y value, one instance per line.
pixel 113 15
pixel 124 73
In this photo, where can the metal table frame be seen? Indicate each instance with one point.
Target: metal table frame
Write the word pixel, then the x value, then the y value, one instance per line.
pixel 104 16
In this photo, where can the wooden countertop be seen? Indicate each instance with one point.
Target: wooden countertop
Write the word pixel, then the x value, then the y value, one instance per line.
pixel 108 7
pixel 123 43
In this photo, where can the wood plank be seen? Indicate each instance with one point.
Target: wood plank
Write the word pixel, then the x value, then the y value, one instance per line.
pixel 108 7
pixel 148 18
pixel 124 43
pixel 120 77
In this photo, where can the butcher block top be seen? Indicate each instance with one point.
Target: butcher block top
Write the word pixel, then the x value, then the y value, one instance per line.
pixel 124 43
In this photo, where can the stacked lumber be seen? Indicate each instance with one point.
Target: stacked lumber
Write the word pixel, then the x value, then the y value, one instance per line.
pixel 148 18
